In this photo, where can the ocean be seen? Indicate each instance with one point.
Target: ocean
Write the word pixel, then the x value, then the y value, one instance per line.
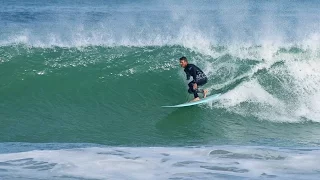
pixel 82 84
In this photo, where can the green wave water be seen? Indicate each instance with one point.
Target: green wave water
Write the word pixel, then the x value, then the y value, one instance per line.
pixel 113 96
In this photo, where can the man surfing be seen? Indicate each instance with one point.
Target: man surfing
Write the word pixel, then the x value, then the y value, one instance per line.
pixel 199 78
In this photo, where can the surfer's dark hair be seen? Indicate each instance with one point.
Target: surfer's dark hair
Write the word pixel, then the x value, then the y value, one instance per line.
pixel 184 59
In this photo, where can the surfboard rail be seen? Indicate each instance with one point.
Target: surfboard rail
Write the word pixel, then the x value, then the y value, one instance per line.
pixel 204 100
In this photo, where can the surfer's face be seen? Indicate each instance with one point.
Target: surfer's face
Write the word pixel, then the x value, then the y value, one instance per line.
pixel 183 63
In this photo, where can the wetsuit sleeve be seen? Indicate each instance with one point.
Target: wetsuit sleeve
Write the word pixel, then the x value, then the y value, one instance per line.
pixel 193 73
pixel 188 75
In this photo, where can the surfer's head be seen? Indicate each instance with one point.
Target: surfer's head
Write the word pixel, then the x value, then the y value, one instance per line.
pixel 183 62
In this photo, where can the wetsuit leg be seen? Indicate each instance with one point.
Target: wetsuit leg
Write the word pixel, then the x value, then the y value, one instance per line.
pixel 196 91
pixel 201 83
pixel 191 90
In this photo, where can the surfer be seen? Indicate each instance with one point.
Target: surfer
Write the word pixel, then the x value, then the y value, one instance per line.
pixel 199 78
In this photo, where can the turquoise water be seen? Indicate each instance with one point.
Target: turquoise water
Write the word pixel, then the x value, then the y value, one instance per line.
pixel 82 85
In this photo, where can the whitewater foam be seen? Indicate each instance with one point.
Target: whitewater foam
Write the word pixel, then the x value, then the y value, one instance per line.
pixel 195 25
pixel 163 163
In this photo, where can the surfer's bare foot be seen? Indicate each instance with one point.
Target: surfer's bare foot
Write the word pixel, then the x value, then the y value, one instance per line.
pixel 195 99
pixel 205 93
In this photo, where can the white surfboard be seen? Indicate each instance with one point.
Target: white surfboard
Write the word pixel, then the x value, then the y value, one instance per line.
pixel 204 100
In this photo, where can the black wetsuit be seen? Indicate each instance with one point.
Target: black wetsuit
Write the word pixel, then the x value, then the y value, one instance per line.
pixel 198 77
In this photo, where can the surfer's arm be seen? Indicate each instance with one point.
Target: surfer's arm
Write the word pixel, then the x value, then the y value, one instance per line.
pixel 188 75
pixel 194 74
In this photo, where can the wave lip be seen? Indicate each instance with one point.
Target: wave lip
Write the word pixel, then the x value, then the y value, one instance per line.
pixel 140 23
